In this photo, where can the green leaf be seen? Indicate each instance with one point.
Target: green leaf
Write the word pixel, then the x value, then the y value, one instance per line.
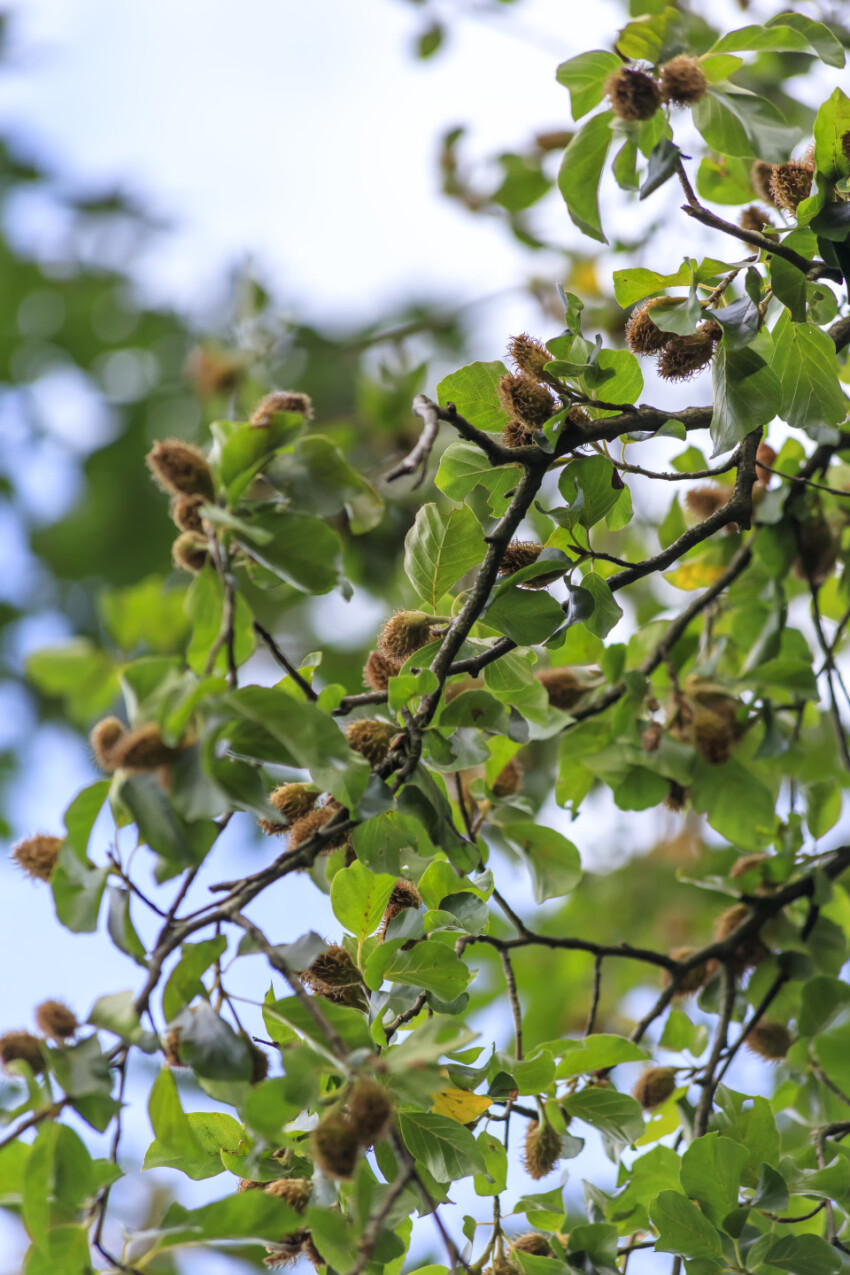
pixel 240 450
pixel 711 1173
pixel 784 34
pixel 638 282
pixel 663 162
pixel 585 78
pixel 81 815
pixel 598 1051
pixel 463 466
pixel 616 1114
pixel 606 611
pixel 526 616
pixel 474 390
pixel 724 180
pixel 147 613
pixel 735 122
pixel 178 843
pixel 77 891
pixel 432 966
pixel 316 478
pixel 204 607
pixel 581 172
pixel 554 861
pixel 80 674
pixel 494 1178
pixel 302 551
pixel 446 1149
pixel 184 982
pixel 735 802
pixel 589 487
pixel 120 925
pixel 683 1229
pixel 210 1046
pixel 746 392
pixel 196 1146
pixel 359 898
pixel 804 1255
pixel 439 549
pixel 805 362
pixel 246 1215
pixel 831 124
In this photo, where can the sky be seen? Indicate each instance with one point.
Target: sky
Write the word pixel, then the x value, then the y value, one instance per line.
pixel 303 138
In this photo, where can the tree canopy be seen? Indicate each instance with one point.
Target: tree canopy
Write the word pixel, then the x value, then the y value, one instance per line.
pixel 587 601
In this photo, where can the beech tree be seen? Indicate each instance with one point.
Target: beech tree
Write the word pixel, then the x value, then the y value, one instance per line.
pixel 564 623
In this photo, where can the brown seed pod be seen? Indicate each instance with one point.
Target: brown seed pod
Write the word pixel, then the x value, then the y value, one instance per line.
pixel 526 399
pixel 294 800
pixel 37 855
pixel 694 978
pixel 185 513
pixel 633 94
pixel 747 863
pixel 404 895
pixel 180 469
pixel 578 415
pixel 706 500
pixel 335 1146
pixel 371 738
pixel 542 1149
pixel 683 81
pixel 790 184
pixel 562 686
pixel 712 735
pixel 171 1050
pixel 403 634
pixel 760 175
pixel 501 1266
pixel 369 1112
pixel 529 355
pixel 295 1191
pixel 555 140
pixel 515 434
pixel 281 401
pixel 55 1020
pixel 214 371
pixel 519 554
pixel 654 1086
pixel 245 1184
pixel 684 356
pixel 21 1047
pixel 651 737
pixel 818 550
pixel 642 334
pixel 302 829
pixel 532 1242
pixel 335 976
pixel 677 797
pixel 751 950
pixel 769 1040
pixel 377 671
pixel 190 552
pixel 509 779
pixel 142 749
pixel 103 738
pixel 753 218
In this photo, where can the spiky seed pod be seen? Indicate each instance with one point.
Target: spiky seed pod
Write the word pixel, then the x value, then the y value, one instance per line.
pixel 532 1242
pixel 818 550
pixel 509 779
pixel 526 399
pixel 684 356
pixel 760 175
pixel 519 554
pixel 334 976
pixel 694 978
pixel 654 1086
pixel 515 434
pixel 369 1112
pixel 683 81
pixel 562 686
pixel 403 634
pixel 712 736
pixel 753 218
pixel 55 1020
pixel 281 401
pixel 180 469
pixel 245 1184
pixel 292 1246
pixel 294 800
pixel 404 895
pixel 190 552
pixel 677 797
pixel 259 1062
pixel 542 1149
pixel 142 749
pixel 578 415
pixel 769 1040
pixel 377 671
pixel 751 950
pixel 185 513
pixel 529 355
pixel 651 737
pixel 295 1191
pixel 214 371
pixel 705 500
pixel 302 829
pixel 747 863
pixel 633 94
pixel 371 738
pixel 37 855
pixel 21 1047
pixel 790 184
pixel 643 336
pixel 103 738
pixel 711 328
pixel 335 1146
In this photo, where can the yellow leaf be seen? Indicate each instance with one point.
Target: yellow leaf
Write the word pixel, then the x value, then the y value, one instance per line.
pixel 694 575
pixel 459 1104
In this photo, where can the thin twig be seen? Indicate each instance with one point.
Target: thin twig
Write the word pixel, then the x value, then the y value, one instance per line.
pixel 284 661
